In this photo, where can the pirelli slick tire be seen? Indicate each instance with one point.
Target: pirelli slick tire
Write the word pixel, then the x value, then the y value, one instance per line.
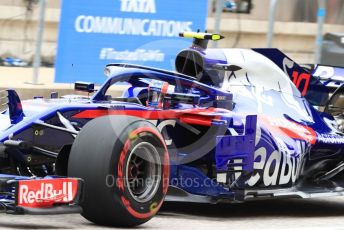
pixel 125 166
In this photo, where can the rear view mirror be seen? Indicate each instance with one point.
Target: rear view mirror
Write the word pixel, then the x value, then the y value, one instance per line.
pixel 84 86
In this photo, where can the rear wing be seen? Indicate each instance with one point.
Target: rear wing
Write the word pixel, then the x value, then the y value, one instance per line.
pixel 331 76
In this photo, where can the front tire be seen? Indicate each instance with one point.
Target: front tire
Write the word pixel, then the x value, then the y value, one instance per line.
pixel 124 163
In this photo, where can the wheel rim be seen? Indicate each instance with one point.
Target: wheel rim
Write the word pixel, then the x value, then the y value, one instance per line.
pixel 143 172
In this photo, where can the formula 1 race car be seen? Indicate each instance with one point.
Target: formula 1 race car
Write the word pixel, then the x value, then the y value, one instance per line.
pixel 231 125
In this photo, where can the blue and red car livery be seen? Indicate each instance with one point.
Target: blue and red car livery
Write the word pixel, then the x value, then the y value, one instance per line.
pixel 232 125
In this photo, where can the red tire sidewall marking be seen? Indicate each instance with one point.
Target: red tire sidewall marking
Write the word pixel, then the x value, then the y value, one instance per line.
pixel 121 172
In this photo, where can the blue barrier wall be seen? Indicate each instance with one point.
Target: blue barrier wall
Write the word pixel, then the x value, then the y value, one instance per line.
pixel 94 33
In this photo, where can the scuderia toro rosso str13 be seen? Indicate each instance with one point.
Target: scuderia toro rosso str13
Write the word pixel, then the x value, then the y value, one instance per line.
pixel 230 125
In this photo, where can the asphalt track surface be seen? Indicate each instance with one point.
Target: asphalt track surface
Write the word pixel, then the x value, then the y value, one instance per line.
pixel 312 214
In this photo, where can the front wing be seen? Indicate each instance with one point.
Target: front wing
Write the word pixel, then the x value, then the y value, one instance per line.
pixel 41 196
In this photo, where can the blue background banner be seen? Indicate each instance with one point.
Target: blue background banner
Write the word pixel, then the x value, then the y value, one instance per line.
pixel 94 33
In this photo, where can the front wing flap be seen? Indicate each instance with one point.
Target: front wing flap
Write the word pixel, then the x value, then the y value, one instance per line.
pixel 43 196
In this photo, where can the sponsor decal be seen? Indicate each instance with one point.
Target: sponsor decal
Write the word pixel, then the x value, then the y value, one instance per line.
pixel 330 138
pixel 280 167
pixel 290 129
pixel 131 25
pixel 144 32
pixel 126 55
pixel 283 127
pixel 275 165
pixel 46 192
pixel 138 6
